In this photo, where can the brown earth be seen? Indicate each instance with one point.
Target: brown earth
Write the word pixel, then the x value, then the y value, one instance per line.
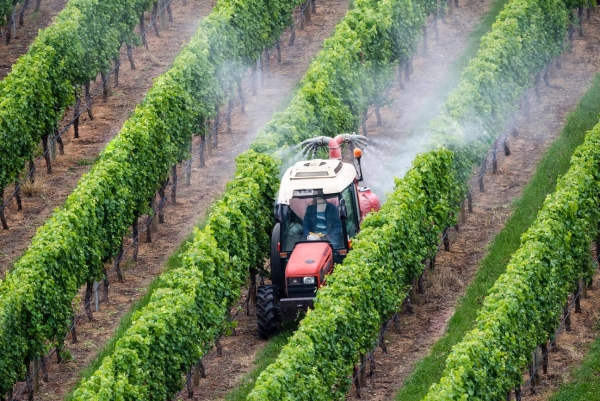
pixel 32 23
pixel 207 183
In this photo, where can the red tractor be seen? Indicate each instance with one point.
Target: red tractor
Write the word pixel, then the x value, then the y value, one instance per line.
pixel 318 211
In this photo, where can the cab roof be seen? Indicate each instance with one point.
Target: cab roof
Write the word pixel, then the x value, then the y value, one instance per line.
pixel 328 175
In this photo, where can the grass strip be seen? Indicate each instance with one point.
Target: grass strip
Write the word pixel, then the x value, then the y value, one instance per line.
pixel 264 358
pixel 555 162
pixel 585 381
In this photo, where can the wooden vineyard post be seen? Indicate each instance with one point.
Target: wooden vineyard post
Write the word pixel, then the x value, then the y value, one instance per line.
pixel 117 67
pixel 577 298
pixel 201 162
pixel 88 100
pixel 544 358
pixel 278 47
pixel 188 172
pixel 307 11
pixel 506 148
pixel 228 115
pixel 36 375
pixel 154 207
pixel 18 196
pixel 414 299
pixel 241 94
pixel 155 18
pixel 361 376
pixel 52 150
pixel 117 266
pixel 567 317
pixel 163 198
pixel 209 143
pixel 58 139
pixel 494 161
pixel 105 284
pixel 259 77
pixel 76 112
pixel 313 6
pixel 31 171
pixel 28 381
pixel 130 56
pixel 87 301
pixel 143 31
pixel 293 34
pixel 446 239
pixel 470 201
pixel 2 218
pixel 425 40
pixel 105 86
pixel 44 370
pixel 135 235
pixel 163 12
pixel 73 330
pixel 174 187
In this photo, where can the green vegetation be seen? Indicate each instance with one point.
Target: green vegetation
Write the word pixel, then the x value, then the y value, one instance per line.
pixel 83 40
pixel 585 382
pixel 555 163
pixel 388 253
pixel 351 72
pixel 190 306
pixel 74 245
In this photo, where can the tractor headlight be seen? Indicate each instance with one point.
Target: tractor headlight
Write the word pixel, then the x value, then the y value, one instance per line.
pixel 310 280
pixel 296 280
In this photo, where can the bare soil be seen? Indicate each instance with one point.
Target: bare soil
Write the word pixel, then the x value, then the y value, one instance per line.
pixel 32 23
pixel 206 184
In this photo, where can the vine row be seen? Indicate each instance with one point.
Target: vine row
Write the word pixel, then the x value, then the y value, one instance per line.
pixel 350 73
pixel 188 310
pixel 524 306
pixel 85 37
pixel 74 245
pixel 388 254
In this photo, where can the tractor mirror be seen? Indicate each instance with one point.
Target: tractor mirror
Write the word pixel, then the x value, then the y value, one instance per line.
pixel 342 210
pixel 278 212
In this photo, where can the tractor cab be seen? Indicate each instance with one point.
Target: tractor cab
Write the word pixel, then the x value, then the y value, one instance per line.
pixel 318 211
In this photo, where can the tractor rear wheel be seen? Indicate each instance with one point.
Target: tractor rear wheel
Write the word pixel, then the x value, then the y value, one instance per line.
pixel 267 311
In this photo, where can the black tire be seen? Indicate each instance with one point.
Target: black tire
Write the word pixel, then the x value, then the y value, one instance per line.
pixel 267 311
pixel 277 274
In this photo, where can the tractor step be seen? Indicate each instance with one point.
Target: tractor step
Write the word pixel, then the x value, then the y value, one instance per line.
pixel 291 307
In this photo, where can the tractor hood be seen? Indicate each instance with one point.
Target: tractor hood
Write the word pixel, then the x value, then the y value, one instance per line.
pixel 310 259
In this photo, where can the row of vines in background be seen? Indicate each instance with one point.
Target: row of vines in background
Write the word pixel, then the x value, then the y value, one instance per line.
pixel 9 13
pixel 74 245
pixel 388 254
pixel 525 304
pixel 350 73
pixel 84 39
pixel 188 310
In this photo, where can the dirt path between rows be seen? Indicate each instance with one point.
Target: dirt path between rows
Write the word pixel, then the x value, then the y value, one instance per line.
pixel 206 183
pixel 32 22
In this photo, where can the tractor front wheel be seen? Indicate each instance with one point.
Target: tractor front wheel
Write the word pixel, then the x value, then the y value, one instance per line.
pixel 267 311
